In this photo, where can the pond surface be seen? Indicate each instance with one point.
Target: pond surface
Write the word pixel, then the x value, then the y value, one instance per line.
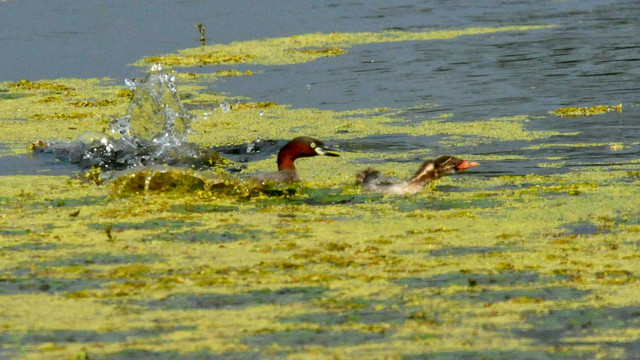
pixel 590 57
pixel 481 266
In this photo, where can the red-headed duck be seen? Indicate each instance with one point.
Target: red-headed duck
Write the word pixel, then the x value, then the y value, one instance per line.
pixel 303 146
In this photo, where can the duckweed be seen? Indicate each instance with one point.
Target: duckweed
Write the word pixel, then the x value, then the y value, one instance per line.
pixel 308 47
pixel 586 111
pixel 39 86
pixel 288 266
pixel 232 72
pixel 89 103
pixel 178 181
pixel 54 108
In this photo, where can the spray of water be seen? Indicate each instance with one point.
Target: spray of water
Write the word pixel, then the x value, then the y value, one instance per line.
pixel 155 113
pixel 153 131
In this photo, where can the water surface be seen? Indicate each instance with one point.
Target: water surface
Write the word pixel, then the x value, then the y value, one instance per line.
pixel 590 57
pixel 482 267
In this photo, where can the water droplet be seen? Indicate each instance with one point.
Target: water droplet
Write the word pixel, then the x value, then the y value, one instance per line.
pixel 130 83
pixel 252 146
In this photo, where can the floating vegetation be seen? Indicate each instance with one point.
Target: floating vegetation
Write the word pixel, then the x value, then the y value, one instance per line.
pixel 307 47
pixel 40 85
pixel 616 147
pixel 199 59
pixel 125 93
pixel 185 181
pixel 331 51
pixel 164 179
pixel 262 270
pixel 586 111
pixel 232 73
pixel 258 105
pixel 49 99
pixel 88 103
pixel 57 116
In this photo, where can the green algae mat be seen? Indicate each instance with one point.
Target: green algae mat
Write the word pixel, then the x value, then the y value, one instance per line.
pixel 529 267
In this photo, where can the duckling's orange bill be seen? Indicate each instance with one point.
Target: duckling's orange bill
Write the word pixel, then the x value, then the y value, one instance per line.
pixel 467 164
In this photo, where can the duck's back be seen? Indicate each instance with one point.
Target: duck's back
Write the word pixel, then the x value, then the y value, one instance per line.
pixel 372 180
pixel 282 176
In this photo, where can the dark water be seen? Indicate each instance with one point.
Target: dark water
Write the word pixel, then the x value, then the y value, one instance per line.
pixel 591 57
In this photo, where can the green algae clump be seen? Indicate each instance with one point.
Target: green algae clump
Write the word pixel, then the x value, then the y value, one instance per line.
pixel 331 51
pixel 40 86
pixel 184 181
pixel 170 179
pixel 199 59
pixel 258 105
pixel 92 103
pixel 586 111
pixel 233 72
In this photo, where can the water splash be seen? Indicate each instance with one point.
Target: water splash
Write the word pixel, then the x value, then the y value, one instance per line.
pixel 92 149
pixel 155 113
pixel 225 107
pixel 153 131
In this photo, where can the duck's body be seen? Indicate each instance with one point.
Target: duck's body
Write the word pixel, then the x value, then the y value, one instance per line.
pixel 303 146
pixel 372 180
pixel 431 170
pixel 284 176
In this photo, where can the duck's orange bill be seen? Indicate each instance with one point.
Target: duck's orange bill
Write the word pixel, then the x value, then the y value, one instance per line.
pixel 467 164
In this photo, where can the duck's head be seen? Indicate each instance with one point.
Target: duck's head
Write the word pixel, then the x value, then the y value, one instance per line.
pixel 442 166
pixel 447 165
pixel 302 146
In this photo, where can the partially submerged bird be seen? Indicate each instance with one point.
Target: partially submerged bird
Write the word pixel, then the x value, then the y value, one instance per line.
pixel 432 169
pixel 303 146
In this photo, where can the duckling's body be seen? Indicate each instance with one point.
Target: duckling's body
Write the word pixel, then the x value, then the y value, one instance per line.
pixel 430 170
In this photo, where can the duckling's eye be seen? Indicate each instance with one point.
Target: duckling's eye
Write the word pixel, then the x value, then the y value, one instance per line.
pixel 313 145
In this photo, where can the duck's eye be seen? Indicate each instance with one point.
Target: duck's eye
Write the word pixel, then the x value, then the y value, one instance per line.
pixel 313 145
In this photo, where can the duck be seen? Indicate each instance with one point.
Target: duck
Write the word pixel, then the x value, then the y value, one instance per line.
pixel 302 146
pixel 430 170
